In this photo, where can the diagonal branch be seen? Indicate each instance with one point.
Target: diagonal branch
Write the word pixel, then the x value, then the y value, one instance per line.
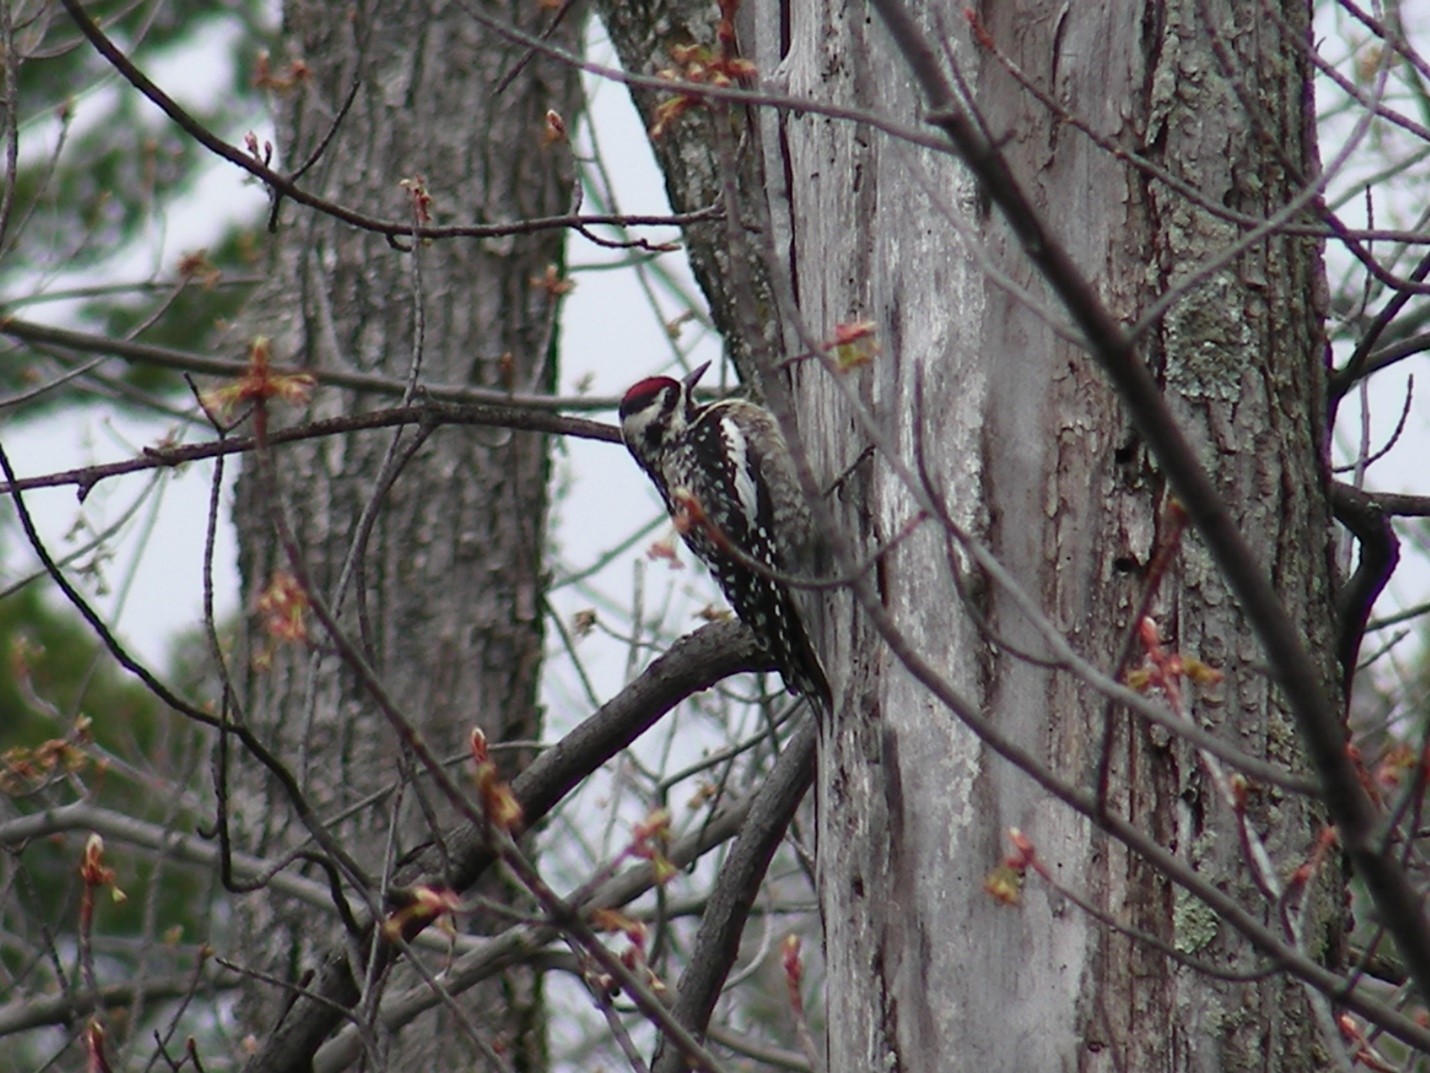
pixel 718 941
pixel 283 185
pixel 524 943
pixel 693 663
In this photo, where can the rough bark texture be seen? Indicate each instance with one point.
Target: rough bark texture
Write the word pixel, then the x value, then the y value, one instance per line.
pixel 444 591
pixel 1028 448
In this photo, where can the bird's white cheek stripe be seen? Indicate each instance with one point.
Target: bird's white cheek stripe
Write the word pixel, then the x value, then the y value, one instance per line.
pixel 640 429
pixel 739 456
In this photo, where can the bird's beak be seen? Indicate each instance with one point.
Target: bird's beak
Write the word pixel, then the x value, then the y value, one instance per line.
pixel 694 377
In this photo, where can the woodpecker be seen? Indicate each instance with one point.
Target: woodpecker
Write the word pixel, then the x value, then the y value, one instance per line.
pixel 725 474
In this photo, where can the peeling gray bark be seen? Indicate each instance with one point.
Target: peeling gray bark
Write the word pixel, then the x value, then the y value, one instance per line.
pixel 445 594
pixel 1028 448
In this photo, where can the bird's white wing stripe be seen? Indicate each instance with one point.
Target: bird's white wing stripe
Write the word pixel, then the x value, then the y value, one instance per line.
pixel 739 456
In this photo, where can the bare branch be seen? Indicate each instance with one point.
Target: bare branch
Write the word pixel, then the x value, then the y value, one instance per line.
pixel 228 368
pixel 723 924
pixel 282 185
pixel 695 662
pixel 34 1011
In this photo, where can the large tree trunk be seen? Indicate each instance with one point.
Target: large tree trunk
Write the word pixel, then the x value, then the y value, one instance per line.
pixel 1026 446
pixel 438 577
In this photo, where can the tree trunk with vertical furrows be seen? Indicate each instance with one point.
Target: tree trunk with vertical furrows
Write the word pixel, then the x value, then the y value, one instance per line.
pixel 431 552
pixel 1028 449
